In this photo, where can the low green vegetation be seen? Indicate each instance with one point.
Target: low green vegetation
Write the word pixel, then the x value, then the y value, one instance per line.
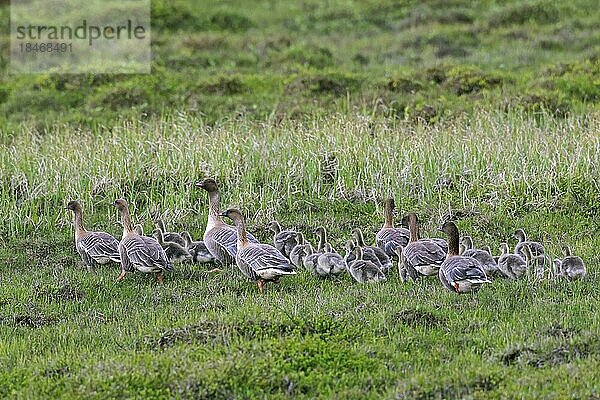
pixel 311 113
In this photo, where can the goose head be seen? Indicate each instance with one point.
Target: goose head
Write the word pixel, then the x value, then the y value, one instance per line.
pixel 566 249
pixel 349 246
pixel 232 213
pixel 74 206
pixel 504 248
pixel 409 219
pixel 121 205
pixel 358 236
pixel 158 235
pixel 275 227
pixel 319 230
pixel 467 242
pixel 208 184
pixel 186 237
pixel 520 235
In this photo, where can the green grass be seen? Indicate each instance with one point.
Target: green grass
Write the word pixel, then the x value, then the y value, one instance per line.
pixel 311 113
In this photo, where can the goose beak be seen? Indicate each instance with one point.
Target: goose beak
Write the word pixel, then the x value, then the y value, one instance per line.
pixel 199 184
pixel 223 214
pixel 440 229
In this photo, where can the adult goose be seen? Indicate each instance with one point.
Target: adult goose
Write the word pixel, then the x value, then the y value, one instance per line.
pixel 389 237
pixel 542 264
pixel 460 274
pixel 220 239
pixel 197 249
pixel 137 252
pixel 484 257
pixel 512 266
pixel 384 260
pixel 422 257
pixel 536 248
pixel 299 251
pixel 571 267
pixel 364 271
pixel 259 262
pixel 94 248
pixel 175 252
pixel 168 236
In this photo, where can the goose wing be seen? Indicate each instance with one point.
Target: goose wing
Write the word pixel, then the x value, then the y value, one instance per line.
pixel 98 245
pixel 145 251
pixel 225 236
pixel 460 268
pixel 266 261
pixel 485 258
pixel 387 239
pixel 424 252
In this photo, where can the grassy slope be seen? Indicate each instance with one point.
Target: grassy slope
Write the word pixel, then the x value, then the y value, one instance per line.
pixel 408 59
pixel 509 91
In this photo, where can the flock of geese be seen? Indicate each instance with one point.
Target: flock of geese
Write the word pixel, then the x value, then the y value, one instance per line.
pixel 460 267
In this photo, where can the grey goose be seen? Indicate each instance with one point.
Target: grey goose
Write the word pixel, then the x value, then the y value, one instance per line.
pixel 141 253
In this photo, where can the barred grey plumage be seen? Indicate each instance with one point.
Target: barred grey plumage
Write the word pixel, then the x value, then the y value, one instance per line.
pixel 457 273
pixel 259 262
pixel 364 271
pixel 512 266
pixel 141 253
pixel 220 239
pixel 571 267
pixel 93 247
pixel 389 237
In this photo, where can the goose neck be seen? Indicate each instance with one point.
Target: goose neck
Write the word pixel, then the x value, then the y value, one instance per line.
pixel 453 242
pixel 388 211
pixel 360 240
pixel 126 222
pixel 322 239
pixel 78 221
pixel 413 227
pixel 213 205
pixel 241 230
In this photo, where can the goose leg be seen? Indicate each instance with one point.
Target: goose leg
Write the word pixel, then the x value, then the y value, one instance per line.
pixel 159 277
pixel 260 283
pixel 122 276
